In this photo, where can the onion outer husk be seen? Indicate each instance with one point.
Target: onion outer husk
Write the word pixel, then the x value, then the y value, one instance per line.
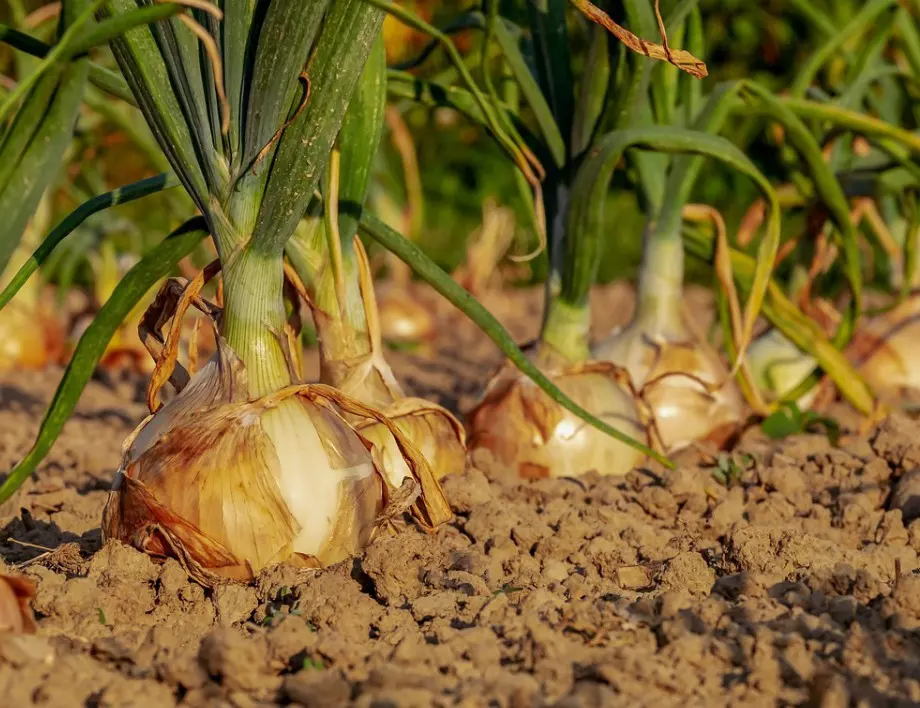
pixel 526 430
pixel 228 486
pixel 432 429
pixel 885 350
pixel 683 382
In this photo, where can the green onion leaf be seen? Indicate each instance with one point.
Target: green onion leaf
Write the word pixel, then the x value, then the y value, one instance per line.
pixel 348 33
pixel 31 152
pixel 829 190
pixel 72 221
pixel 142 64
pixel 530 89
pixel 431 273
pixel 284 41
pixel 144 275
pixel 863 21
pixel 359 140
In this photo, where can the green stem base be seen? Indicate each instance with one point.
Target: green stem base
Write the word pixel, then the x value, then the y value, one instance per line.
pixel 566 332
pixel 254 319
pixel 661 283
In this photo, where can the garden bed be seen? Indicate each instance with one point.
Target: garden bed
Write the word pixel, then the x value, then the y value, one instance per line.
pixel 795 585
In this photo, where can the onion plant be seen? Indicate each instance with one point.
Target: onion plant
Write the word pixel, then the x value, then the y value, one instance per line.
pixel 513 420
pixel 689 392
pixel 37 125
pixel 609 119
pixel 334 269
pixel 246 107
pixel 855 87
pixel 249 140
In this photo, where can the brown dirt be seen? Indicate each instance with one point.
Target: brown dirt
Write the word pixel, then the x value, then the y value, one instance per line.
pixel 797 585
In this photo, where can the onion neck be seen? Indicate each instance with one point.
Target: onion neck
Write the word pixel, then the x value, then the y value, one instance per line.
pixel 254 318
pixel 344 334
pixel 341 328
pixel 565 332
pixel 661 281
pixel 573 257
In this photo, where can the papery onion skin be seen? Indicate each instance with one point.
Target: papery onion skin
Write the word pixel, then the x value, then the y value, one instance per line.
pixel 527 431
pixel 367 377
pixel 886 350
pixel 403 319
pixel 434 431
pixel 228 487
pixel 684 383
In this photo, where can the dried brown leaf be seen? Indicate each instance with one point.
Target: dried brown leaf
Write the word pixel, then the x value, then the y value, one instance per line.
pixel 680 58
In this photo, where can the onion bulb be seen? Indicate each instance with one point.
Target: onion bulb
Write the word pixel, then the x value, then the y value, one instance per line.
pixel 31 332
pixel 885 349
pixel 30 336
pixel 526 430
pixel 16 615
pixel 681 379
pixel 432 429
pixel 404 318
pixel 228 485
pixel 778 366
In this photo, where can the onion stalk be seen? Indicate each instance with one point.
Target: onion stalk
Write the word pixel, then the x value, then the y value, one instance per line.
pixel 340 291
pixel 479 273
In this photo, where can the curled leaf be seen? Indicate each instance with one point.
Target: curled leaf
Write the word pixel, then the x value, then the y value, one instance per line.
pixel 680 58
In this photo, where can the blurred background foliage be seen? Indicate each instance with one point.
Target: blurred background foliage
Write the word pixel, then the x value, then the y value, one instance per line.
pixel 460 167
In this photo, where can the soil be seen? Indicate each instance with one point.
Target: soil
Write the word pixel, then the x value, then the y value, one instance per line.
pixel 797 584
